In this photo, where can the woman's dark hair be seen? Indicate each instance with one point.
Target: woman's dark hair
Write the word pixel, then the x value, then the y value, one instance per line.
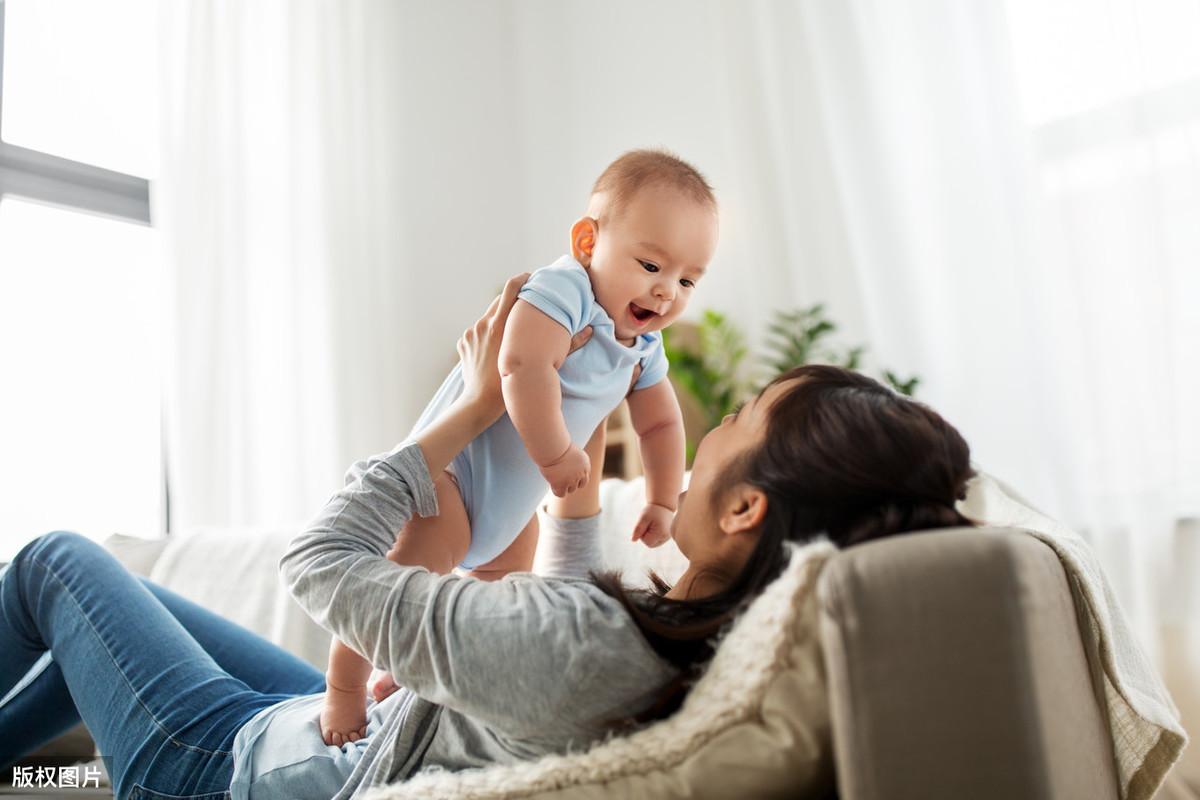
pixel 842 456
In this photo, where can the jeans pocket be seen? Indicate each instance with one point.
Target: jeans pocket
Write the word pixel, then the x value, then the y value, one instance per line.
pixel 140 792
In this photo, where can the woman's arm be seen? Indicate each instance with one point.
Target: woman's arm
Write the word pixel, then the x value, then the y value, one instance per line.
pixel 481 402
pixel 478 647
pixel 535 659
pixel 355 529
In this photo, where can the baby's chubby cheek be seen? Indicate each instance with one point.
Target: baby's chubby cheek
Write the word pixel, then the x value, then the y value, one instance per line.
pixel 670 316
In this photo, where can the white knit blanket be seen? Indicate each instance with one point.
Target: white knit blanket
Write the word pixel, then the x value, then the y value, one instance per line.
pixel 731 690
pixel 1147 734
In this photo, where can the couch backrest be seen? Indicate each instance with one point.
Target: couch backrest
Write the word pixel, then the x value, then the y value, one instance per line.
pixel 956 669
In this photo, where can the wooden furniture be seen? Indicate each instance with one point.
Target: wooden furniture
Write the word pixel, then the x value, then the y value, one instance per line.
pixel 621 456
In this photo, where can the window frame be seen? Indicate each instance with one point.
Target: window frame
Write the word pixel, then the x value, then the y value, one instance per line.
pixel 47 178
pixel 76 186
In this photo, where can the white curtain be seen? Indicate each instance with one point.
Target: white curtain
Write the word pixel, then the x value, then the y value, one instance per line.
pixel 1038 268
pixel 281 241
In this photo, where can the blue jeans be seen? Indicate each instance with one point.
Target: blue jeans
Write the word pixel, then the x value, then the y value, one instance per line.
pixel 162 684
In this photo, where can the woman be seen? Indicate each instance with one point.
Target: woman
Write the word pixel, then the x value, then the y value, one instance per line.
pixel 184 704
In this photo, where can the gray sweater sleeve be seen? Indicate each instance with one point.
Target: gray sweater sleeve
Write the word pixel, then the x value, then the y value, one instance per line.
pixel 569 548
pixel 496 651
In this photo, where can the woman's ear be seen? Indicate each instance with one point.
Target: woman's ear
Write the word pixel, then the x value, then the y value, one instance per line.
pixel 583 239
pixel 743 509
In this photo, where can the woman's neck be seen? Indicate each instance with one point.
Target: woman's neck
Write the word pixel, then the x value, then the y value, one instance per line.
pixel 698 582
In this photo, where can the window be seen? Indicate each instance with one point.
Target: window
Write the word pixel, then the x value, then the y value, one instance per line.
pixel 80 416
pixel 1075 57
pixel 1111 97
pixel 79 82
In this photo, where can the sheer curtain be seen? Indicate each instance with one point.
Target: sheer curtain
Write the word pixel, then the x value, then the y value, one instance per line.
pixel 278 206
pixel 1017 188
pixel 1115 136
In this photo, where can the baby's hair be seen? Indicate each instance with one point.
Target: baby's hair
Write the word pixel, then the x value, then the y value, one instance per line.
pixel 637 169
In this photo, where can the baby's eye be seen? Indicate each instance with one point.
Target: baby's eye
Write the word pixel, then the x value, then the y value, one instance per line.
pixel 688 282
pixel 646 265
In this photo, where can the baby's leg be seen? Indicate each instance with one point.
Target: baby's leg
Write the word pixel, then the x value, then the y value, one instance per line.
pixel 583 502
pixel 436 543
pixel 517 557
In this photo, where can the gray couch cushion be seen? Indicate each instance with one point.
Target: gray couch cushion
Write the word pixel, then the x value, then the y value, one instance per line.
pixel 956 668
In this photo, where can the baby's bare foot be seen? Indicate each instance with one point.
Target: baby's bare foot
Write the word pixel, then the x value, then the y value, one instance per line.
pixel 343 717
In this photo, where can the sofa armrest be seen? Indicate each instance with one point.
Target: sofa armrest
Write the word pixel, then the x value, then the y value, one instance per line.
pixel 956 669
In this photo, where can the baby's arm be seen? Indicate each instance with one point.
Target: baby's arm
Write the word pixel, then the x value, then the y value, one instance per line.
pixel 531 352
pixel 658 423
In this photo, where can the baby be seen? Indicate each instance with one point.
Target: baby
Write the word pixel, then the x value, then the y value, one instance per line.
pixel 636 256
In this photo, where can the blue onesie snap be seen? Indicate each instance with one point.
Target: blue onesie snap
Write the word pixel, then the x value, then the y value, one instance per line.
pixel 501 486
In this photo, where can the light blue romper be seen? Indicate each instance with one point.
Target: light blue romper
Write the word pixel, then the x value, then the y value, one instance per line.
pixel 500 485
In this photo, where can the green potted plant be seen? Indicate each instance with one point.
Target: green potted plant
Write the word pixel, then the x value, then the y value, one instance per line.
pixel 708 363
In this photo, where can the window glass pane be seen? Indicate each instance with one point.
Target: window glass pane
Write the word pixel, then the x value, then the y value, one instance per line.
pixel 81 81
pixel 1077 55
pixel 79 347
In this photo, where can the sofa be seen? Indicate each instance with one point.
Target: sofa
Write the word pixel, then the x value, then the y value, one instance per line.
pixel 953 658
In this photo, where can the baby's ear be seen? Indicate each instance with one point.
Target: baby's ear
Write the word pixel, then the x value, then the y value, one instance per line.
pixel 583 239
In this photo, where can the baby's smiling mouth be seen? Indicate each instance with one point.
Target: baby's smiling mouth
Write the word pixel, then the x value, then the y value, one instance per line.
pixel 639 313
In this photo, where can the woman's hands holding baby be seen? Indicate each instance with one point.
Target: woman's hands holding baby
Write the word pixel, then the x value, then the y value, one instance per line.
pixel 479 350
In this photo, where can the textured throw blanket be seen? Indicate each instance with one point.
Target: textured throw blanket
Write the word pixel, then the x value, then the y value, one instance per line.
pixel 1147 735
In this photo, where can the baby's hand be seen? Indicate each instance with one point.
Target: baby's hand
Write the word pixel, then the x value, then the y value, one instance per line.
pixel 569 472
pixel 343 717
pixel 654 525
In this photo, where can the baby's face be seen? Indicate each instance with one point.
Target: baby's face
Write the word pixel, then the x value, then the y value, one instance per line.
pixel 648 259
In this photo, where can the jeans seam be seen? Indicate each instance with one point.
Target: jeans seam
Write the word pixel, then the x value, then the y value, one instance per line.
pixel 170 738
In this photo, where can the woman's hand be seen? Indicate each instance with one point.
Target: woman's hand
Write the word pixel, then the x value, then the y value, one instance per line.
pixel 481 402
pixel 479 350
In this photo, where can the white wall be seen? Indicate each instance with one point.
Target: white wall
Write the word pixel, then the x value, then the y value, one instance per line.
pixel 522 106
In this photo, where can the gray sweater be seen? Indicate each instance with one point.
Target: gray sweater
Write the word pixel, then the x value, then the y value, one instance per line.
pixel 493 672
